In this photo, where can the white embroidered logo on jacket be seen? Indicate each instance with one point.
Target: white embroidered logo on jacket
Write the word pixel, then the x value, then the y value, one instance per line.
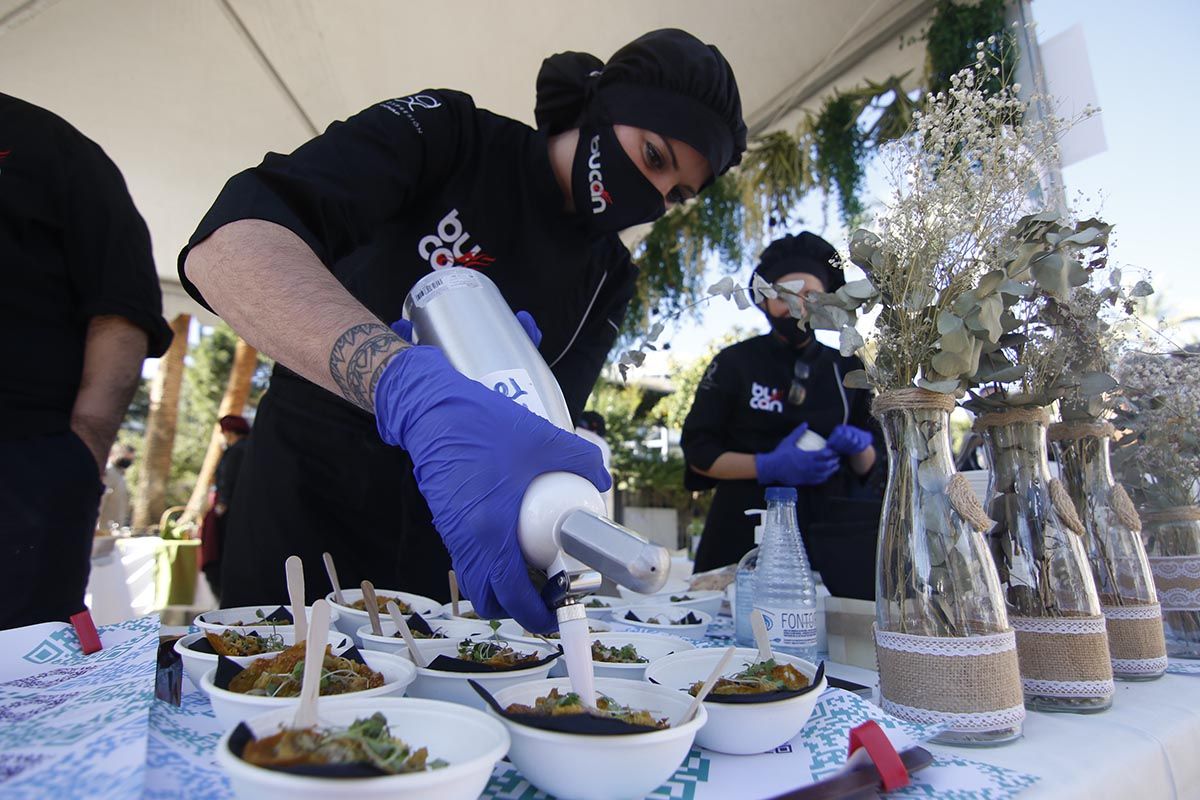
pixel 763 398
pixel 445 248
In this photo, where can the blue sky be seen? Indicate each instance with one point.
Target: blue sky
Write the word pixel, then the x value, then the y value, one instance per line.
pixel 1145 63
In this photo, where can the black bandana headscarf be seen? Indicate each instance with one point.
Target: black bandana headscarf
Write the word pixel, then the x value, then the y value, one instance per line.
pixel 667 81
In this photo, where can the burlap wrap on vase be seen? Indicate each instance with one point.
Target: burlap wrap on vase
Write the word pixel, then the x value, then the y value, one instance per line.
pixel 1064 656
pixel 1177 581
pixel 1135 639
pixel 969 683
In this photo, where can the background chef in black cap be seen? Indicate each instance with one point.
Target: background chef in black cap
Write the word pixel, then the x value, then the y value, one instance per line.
pixel 762 396
pixel 364 444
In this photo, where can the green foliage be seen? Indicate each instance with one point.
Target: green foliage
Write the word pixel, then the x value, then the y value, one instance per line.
pixel 205 376
pixel 952 35
pixel 840 147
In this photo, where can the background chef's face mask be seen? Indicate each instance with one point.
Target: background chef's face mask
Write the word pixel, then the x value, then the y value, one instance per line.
pixel 610 192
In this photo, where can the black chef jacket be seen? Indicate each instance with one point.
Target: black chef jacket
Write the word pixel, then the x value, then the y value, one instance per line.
pixel 72 246
pixel 406 186
pixel 742 406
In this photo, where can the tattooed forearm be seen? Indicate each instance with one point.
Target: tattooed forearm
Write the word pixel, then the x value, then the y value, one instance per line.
pixel 358 358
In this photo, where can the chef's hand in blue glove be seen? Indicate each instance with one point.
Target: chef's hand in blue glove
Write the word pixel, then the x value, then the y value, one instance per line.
pixel 848 440
pixel 474 454
pixel 788 465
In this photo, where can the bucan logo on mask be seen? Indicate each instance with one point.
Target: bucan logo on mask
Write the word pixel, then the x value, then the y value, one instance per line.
pixel 601 199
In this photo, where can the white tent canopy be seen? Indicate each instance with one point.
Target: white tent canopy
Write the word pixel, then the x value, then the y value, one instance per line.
pixel 184 93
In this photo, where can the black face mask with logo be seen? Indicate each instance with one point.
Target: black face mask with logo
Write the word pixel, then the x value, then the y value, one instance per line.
pixel 610 192
pixel 788 328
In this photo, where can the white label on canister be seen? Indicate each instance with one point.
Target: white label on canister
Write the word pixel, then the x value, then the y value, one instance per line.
pixel 790 627
pixel 444 282
pixel 516 385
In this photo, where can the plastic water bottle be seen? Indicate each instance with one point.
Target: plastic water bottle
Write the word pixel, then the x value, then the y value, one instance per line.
pixel 743 600
pixel 783 583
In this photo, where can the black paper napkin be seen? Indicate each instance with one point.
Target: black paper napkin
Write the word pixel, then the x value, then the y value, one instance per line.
pixel 582 724
pixel 689 619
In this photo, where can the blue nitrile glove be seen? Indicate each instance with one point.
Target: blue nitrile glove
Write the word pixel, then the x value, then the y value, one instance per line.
pixel 848 440
pixel 474 454
pixel 403 328
pixel 788 465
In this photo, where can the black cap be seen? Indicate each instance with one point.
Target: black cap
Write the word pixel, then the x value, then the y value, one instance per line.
pixel 804 252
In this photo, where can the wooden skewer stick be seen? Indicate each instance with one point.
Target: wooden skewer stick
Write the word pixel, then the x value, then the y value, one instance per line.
pixel 294 568
pixel 368 590
pixel 314 660
pixel 713 677
pixel 402 626
pixel 453 594
pixel 331 571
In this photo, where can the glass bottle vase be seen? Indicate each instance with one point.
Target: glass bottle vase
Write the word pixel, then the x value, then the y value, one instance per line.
pixel 1114 548
pixel 1043 569
pixel 945 650
pixel 1172 540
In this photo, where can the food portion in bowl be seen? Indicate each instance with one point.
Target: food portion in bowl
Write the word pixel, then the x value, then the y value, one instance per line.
pixel 281 675
pixel 596 602
pixel 367 741
pixel 495 653
pixel 759 678
pixel 381 601
pixel 625 654
pixel 231 643
pixel 555 704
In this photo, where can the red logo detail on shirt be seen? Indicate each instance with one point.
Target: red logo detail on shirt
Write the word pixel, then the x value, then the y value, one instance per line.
pixel 764 398
pixel 474 260
pixel 447 246
pixel 5 154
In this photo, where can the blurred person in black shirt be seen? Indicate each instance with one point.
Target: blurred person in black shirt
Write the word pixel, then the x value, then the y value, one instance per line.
pixel 80 309
pixel 761 397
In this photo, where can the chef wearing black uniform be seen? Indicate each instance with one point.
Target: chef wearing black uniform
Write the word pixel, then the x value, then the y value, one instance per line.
pixel 760 397
pixel 80 310
pixel 326 242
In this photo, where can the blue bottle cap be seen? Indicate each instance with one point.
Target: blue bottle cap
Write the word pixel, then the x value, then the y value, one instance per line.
pixel 786 493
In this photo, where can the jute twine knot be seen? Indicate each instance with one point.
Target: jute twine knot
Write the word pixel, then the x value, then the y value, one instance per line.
pixel 1173 514
pixel 1065 507
pixel 966 503
pixel 1124 508
pixel 1065 431
pixel 994 419
pixel 912 399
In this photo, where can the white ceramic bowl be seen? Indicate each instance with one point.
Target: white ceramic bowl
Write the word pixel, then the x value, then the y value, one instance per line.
pixel 219 620
pixel 652 646
pixel 609 604
pixel 511 629
pixel 464 607
pixel 739 728
pixel 231 708
pixel 351 619
pixel 452 686
pixel 455 629
pixel 706 600
pixel 673 586
pixel 578 767
pixel 195 663
pixel 472 743
pixel 694 631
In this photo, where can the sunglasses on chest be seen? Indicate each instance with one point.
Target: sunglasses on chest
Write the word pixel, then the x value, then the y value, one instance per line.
pixel 797 391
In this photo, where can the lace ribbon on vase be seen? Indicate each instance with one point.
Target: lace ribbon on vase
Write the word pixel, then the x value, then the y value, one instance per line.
pixel 1177 580
pixel 969 683
pixel 1064 656
pixel 1135 639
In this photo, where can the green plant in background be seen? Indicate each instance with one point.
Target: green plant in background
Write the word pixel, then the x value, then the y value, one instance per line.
pixel 733 219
